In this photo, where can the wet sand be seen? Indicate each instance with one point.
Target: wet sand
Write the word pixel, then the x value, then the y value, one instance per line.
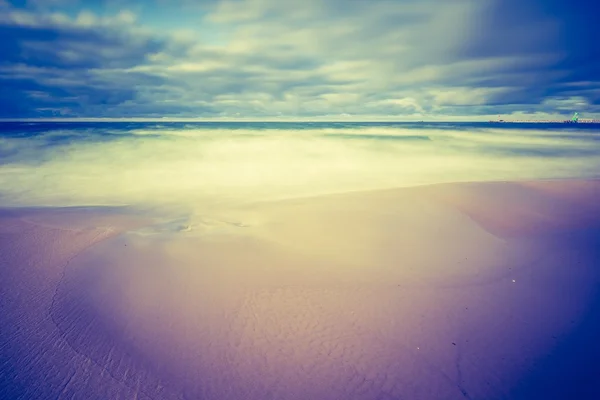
pixel 451 291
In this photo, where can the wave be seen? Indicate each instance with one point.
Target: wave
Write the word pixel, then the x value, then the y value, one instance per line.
pixel 145 164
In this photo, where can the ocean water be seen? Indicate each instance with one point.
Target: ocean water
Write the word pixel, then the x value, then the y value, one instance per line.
pixel 193 165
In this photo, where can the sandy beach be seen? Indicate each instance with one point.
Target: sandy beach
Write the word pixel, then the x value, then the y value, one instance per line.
pixel 448 291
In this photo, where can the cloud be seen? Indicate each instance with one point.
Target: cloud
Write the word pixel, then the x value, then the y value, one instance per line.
pixel 272 58
pixel 68 62
pixel 560 34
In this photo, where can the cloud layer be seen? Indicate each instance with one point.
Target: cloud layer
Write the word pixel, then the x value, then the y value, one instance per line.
pixel 266 58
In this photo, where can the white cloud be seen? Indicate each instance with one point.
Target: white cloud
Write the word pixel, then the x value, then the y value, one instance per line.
pixel 86 18
pixel 125 17
pixel 463 96
pixel 336 70
pixel 275 57
pixel 566 103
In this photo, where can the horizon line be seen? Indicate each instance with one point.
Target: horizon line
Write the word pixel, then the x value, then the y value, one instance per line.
pixel 143 119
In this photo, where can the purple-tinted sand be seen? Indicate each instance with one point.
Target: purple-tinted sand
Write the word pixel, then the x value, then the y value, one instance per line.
pixel 451 291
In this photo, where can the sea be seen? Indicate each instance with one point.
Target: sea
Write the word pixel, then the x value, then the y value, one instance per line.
pixel 194 164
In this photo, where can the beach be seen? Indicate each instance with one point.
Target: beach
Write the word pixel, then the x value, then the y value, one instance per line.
pixel 447 291
pixel 311 200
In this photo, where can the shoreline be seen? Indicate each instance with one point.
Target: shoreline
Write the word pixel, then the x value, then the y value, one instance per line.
pixel 140 209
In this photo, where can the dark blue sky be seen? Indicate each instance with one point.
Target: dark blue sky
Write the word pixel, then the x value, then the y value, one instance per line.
pixel 316 58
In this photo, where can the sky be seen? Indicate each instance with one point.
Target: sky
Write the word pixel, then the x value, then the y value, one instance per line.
pixel 310 59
